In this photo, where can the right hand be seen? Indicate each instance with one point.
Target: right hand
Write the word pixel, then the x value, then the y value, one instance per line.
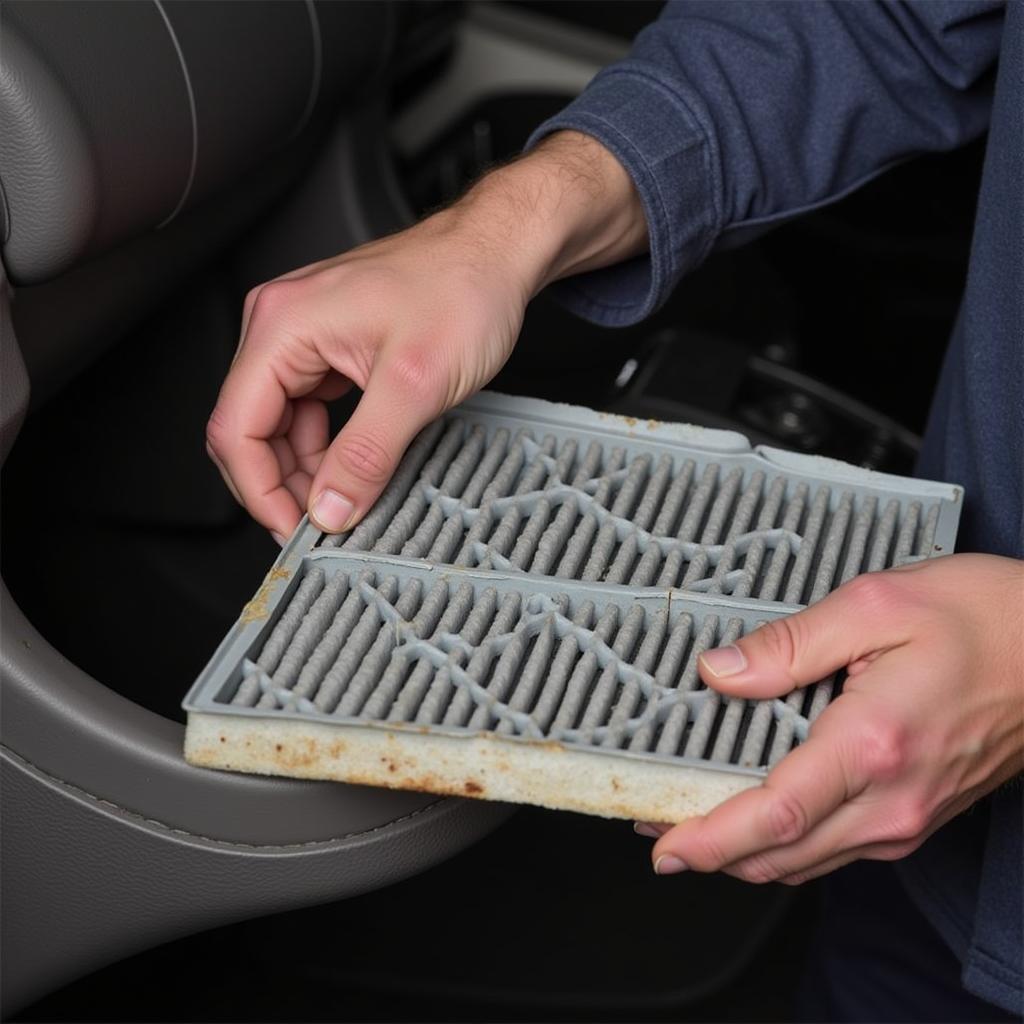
pixel 419 321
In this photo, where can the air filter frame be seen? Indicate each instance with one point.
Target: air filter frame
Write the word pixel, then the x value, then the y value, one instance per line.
pixel 502 756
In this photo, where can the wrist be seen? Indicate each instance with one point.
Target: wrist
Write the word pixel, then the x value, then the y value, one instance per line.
pixel 566 207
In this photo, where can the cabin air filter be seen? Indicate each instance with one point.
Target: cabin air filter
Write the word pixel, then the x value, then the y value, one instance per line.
pixel 519 616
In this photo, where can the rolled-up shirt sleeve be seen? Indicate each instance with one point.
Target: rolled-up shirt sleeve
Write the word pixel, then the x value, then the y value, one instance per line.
pixel 731 116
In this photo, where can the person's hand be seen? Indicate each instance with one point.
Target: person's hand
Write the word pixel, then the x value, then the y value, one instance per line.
pixel 931 718
pixel 419 321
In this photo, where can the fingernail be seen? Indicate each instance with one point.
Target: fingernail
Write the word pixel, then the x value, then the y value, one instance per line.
pixel 332 511
pixel 668 864
pixel 645 830
pixel 724 661
pixel 280 540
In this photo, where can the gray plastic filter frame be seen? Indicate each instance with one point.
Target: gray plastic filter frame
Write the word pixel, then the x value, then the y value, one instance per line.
pixel 519 616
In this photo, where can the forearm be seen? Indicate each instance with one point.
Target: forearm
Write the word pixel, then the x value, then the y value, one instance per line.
pixel 733 116
pixel 565 208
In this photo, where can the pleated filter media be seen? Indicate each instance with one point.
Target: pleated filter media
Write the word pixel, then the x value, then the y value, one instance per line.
pixel 519 616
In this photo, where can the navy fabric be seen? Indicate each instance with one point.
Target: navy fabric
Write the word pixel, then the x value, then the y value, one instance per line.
pixel 876 958
pixel 736 115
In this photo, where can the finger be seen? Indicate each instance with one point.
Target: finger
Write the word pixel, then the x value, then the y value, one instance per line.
pixel 890 825
pixel 252 296
pixel 851 624
pixel 879 852
pixel 252 411
pixel 649 829
pixel 366 453
pixel 797 872
pixel 301 448
pixel 301 451
pixel 247 307
pixel 801 791
pixel 747 871
pixel 845 835
pixel 333 386
pixel 224 474
pixel 794 867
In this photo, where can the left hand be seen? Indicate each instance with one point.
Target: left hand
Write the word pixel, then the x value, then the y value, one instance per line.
pixel 931 718
pixel 419 320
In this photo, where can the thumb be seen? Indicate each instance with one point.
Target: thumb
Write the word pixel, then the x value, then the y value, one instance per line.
pixel 365 454
pixel 801 649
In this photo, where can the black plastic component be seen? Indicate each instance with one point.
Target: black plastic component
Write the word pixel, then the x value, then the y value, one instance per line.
pixel 714 380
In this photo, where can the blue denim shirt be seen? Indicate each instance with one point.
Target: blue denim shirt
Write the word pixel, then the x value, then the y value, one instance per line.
pixel 733 116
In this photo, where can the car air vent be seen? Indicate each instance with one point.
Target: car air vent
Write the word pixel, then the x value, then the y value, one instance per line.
pixel 519 616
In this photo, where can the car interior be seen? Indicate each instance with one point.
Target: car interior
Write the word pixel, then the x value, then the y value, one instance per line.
pixel 158 159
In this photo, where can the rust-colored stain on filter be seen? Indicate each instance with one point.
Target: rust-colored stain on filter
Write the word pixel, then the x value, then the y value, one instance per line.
pixel 259 607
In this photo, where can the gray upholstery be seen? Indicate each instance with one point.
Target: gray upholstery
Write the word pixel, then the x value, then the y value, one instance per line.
pixel 14 387
pixel 115 117
pixel 86 881
pixel 111 842
pixel 46 170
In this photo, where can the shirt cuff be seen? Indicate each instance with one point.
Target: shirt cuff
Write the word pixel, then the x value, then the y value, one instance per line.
pixel 659 139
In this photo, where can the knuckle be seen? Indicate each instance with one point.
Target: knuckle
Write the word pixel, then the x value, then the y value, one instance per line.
pixel 217 432
pixel 251 296
pixel 896 851
pixel 272 298
pixel 797 878
pixel 757 870
pixel 787 819
pixel 781 638
pixel 884 748
pixel 413 371
pixel 707 852
pixel 910 822
pixel 363 457
pixel 873 592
